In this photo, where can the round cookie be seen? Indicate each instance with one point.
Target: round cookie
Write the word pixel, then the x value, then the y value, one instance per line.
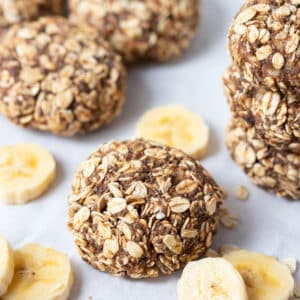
pixel 264 43
pixel 275 116
pixel 277 172
pixel 59 77
pixel 16 11
pixel 142 29
pixel 139 209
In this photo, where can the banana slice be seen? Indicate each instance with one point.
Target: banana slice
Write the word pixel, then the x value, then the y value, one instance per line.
pixel 6 265
pixel 211 279
pixel 40 273
pixel 177 127
pixel 26 171
pixel 265 277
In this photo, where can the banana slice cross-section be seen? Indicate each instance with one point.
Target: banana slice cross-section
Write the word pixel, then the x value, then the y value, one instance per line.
pixel 211 279
pixel 40 274
pixel 26 171
pixel 265 277
pixel 177 127
pixel 6 265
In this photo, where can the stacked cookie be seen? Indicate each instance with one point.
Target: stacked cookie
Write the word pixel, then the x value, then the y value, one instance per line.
pixel 263 89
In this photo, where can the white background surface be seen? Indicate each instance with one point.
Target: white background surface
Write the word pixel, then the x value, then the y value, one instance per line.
pixel 268 224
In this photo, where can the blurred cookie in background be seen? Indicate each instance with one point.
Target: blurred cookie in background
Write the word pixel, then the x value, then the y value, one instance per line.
pixel 60 77
pixel 16 11
pixel 141 30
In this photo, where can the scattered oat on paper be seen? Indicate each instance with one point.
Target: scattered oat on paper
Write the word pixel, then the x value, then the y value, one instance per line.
pixel 291 263
pixel 227 219
pixel 297 290
pixel 242 192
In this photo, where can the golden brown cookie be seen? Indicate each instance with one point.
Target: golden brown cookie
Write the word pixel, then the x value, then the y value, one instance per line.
pixel 276 116
pixel 141 29
pixel 275 171
pixel 264 43
pixel 59 77
pixel 139 209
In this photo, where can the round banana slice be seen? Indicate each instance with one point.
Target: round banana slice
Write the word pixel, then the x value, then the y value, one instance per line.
pixel 40 273
pixel 265 277
pixel 6 265
pixel 26 171
pixel 211 279
pixel 177 127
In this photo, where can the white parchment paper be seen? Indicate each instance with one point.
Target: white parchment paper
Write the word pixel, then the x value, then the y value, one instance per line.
pixel 268 224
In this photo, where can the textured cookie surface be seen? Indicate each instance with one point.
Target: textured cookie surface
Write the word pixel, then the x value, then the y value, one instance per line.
pixel 142 29
pixel 275 171
pixel 264 43
pixel 16 11
pixel 139 209
pixel 60 77
pixel 276 116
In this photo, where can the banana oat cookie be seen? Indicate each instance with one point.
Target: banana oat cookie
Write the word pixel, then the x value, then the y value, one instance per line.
pixel 60 77
pixel 276 116
pixel 16 11
pixel 142 29
pixel 139 209
pixel 264 43
pixel 277 172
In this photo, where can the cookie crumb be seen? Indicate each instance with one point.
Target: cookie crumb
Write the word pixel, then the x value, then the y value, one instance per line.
pixel 242 192
pixel 227 219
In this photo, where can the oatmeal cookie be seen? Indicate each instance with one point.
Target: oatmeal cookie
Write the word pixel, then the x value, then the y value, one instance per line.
pixel 264 43
pixel 276 116
pixel 140 209
pixel 16 11
pixel 275 171
pixel 60 77
pixel 141 29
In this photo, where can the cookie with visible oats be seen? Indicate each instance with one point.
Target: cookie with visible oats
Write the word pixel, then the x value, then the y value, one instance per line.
pixel 16 11
pixel 264 43
pixel 141 29
pixel 275 171
pixel 60 77
pixel 140 209
pixel 276 116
